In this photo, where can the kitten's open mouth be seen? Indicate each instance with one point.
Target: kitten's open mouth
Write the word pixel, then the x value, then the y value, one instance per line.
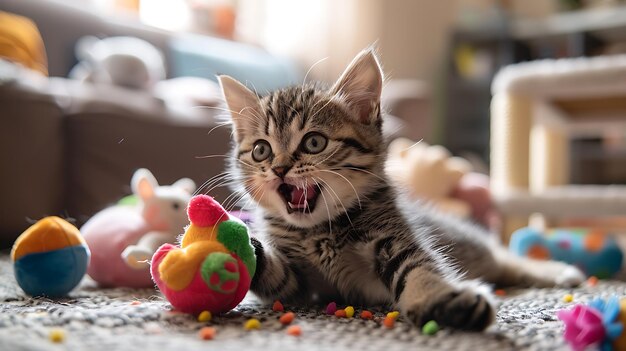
pixel 301 200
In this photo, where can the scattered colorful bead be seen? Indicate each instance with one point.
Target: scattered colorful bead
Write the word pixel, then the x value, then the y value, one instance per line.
pixel 252 324
pixel 393 314
pixel 294 330
pixel 57 335
pixel 340 314
pixel 204 316
pixel 367 315
pixel 349 311
pixel 207 333
pixel 278 307
pixel 331 308
pixel 135 303
pixel 568 298
pixel 430 328
pixel 500 292
pixel 287 318
pixel 592 281
pixel 389 321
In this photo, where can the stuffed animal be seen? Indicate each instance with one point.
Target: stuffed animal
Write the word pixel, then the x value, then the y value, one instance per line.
pixel 213 267
pixel 125 61
pixel 49 258
pixel 599 324
pixel 429 172
pixel 594 252
pixel 123 238
pixel 136 64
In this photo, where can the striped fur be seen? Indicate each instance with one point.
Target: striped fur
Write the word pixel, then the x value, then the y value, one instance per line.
pixel 362 242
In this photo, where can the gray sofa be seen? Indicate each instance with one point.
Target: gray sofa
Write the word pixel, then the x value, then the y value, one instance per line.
pixel 70 154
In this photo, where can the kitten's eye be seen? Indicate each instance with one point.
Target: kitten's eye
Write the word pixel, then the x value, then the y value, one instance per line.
pixel 314 143
pixel 261 151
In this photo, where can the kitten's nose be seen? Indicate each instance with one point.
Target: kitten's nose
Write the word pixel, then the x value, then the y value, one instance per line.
pixel 280 171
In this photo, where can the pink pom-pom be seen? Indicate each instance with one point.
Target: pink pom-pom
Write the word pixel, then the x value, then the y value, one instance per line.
pixel 204 211
pixel 583 326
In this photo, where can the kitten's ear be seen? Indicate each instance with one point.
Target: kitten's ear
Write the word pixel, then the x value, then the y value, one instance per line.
pixel 361 85
pixel 243 104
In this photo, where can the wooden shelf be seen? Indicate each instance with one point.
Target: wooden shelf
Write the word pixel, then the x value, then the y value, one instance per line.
pixel 509 41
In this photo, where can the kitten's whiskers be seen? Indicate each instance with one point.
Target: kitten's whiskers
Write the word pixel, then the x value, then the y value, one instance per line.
pixel 349 182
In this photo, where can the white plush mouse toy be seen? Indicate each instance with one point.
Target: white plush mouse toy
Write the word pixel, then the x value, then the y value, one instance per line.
pixel 124 237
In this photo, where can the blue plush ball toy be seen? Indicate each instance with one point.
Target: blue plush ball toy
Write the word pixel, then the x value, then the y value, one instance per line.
pixel 593 251
pixel 50 258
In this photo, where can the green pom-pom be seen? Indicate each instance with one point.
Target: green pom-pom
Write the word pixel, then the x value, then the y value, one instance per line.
pixel 234 236
pixel 430 328
pixel 215 264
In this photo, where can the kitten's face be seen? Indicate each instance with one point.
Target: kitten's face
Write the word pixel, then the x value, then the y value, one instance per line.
pixel 307 154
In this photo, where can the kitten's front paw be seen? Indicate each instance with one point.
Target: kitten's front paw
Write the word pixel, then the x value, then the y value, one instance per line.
pixel 464 309
pixel 570 277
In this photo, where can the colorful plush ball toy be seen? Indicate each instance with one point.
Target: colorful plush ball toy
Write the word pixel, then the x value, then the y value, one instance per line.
pixel 594 252
pixel 599 324
pixel 213 267
pixel 50 258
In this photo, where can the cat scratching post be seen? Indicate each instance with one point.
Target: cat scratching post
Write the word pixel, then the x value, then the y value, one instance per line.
pixel 536 108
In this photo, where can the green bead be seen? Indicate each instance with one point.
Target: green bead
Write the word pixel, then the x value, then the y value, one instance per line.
pixel 233 235
pixel 430 328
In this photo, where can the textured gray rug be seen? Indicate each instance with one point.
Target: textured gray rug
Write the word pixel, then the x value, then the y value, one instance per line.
pixel 96 319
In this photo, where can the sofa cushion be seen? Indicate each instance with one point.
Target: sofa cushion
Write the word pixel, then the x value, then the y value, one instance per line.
pixel 206 57
pixel 32 169
pixel 108 140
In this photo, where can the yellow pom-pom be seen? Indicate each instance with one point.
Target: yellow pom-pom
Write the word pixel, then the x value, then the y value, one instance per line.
pixel 252 324
pixel 393 314
pixel 204 316
pixel 349 311
pixel 568 298
pixel 57 335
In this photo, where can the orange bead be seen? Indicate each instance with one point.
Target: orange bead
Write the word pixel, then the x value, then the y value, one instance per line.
pixel 500 292
pixel 278 307
pixel 135 303
pixel 287 318
pixel 340 313
pixel 592 281
pixel 367 315
pixel 207 333
pixel 389 322
pixel 294 330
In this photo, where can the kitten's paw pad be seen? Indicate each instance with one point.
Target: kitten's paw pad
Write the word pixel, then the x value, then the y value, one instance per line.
pixel 570 277
pixel 465 309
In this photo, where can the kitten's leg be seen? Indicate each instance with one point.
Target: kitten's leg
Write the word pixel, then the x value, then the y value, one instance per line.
pixel 424 294
pixel 407 274
pixel 525 272
pixel 483 258
pixel 275 277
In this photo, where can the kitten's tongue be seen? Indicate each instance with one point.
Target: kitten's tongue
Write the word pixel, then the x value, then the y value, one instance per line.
pixel 299 196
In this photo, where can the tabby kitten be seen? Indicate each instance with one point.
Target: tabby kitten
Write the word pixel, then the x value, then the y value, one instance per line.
pixel 329 224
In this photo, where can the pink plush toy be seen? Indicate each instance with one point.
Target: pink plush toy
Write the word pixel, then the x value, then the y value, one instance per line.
pixel 212 268
pixel 123 238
